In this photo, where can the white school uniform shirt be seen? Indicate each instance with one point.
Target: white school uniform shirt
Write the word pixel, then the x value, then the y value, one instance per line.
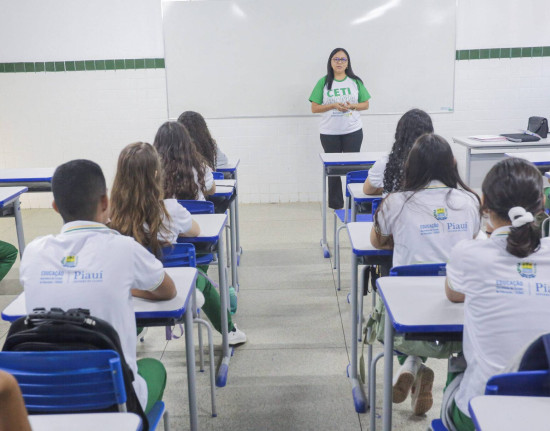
pixel 91 266
pixel 180 221
pixel 427 224
pixel 376 173
pixel 208 181
pixel 507 305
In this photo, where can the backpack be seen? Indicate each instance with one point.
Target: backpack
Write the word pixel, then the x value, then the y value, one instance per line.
pixel 75 329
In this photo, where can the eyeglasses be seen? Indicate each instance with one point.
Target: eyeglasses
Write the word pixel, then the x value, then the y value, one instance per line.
pixel 340 60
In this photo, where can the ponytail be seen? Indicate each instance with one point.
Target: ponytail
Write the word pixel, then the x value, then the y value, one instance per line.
pixel 513 191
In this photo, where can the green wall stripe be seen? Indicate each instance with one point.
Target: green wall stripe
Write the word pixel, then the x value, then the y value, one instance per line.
pixel 158 63
pixel 515 52
pixel 82 65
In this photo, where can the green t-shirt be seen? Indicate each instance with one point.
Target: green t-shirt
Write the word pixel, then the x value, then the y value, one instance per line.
pixel 334 122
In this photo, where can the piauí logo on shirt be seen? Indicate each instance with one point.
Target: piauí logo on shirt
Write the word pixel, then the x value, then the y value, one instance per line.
pixel 527 269
pixel 69 261
pixel 440 213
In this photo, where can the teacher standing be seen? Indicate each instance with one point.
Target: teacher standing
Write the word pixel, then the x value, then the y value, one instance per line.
pixel 339 96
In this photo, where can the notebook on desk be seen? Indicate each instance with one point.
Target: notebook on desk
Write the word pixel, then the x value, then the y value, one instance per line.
pixel 520 137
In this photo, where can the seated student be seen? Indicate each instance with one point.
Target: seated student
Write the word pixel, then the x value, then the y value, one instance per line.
pixel 91 266
pixel 139 210
pixel 8 255
pixel 186 174
pixel 206 145
pixel 386 175
pixel 433 211
pixel 503 281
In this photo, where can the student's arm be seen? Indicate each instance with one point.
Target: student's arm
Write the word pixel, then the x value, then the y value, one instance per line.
pixel 453 295
pixel 379 241
pixel 212 189
pixel 369 189
pixel 165 290
pixel 13 414
pixel 195 230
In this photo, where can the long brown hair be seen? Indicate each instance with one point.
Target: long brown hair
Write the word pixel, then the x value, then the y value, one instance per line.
pixel 136 197
pixel 180 161
pixel 198 130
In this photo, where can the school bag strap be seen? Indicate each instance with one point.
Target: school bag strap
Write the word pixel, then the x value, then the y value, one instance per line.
pixel 74 329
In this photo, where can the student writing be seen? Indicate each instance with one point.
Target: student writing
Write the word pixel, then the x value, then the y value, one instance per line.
pixel 504 282
pixel 433 211
pixel 91 266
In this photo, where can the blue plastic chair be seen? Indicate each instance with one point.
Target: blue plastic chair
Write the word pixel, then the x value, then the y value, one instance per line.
pixel 217 175
pixel 437 425
pixel 197 207
pixel 521 383
pixel 427 269
pixel 73 381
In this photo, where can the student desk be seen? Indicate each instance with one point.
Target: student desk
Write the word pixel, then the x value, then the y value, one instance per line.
pixel 359 235
pixel 510 413
pixel 231 168
pixel 357 197
pixel 36 179
pixel 338 164
pixel 432 316
pixel 154 313
pixel 86 422
pixel 10 207
pixel 212 226
pixel 541 159
pixel 227 190
pixel 478 150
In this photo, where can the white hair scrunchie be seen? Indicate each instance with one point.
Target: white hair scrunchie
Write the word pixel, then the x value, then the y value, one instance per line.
pixel 519 216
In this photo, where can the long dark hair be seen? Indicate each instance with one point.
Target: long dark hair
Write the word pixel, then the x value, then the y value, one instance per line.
pixel 330 71
pixel 197 128
pixel 180 161
pixel 514 182
pixel 430 158
pixel 411 126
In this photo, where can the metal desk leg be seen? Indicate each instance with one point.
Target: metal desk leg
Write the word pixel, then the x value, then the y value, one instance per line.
pixel 19 226
pixel 233 242
pixel 221 378
pixel 324 244
pixel 190 356
pixel 353 210
pixel 238 239
pixel 468 161
pixel 388 373
pixel 359 398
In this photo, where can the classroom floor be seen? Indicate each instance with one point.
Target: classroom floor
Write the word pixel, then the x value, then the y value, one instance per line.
pixel 291 374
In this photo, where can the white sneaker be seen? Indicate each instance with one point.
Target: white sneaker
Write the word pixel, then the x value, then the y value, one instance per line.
pixel 236 336
pixel 404 379
pixel 421 392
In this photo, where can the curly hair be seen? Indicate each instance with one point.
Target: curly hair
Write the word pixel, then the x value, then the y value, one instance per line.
pixel 197 128
pixel 137 208
pixel 181 162
pixel 410 127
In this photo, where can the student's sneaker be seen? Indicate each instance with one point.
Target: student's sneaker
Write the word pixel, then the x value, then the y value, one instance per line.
pixel 404 379
pixel 421 392
pixel 236 336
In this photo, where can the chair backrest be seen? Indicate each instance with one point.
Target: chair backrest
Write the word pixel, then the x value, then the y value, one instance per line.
pixel 419 270
pixel 181 254
pixel 375 204
pixel 67 381
pixel 197 207
pixel 356 177
pixel 522 383
pixel 217 175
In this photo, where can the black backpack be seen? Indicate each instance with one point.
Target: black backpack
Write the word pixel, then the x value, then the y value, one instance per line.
pixel 74 329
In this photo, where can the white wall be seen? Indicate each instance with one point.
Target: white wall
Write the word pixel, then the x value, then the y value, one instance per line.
pixel 49 118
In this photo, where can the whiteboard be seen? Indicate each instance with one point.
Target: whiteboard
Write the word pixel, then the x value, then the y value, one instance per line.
pixel 262 58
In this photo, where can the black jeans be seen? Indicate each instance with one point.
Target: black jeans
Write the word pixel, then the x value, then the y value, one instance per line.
pixel 350 143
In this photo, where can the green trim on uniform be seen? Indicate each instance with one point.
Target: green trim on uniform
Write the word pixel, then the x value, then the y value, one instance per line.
pixel 317 93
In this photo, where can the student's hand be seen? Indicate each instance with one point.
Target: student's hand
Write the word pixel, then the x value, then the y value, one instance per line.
pixel 340 107
pixel 350 107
